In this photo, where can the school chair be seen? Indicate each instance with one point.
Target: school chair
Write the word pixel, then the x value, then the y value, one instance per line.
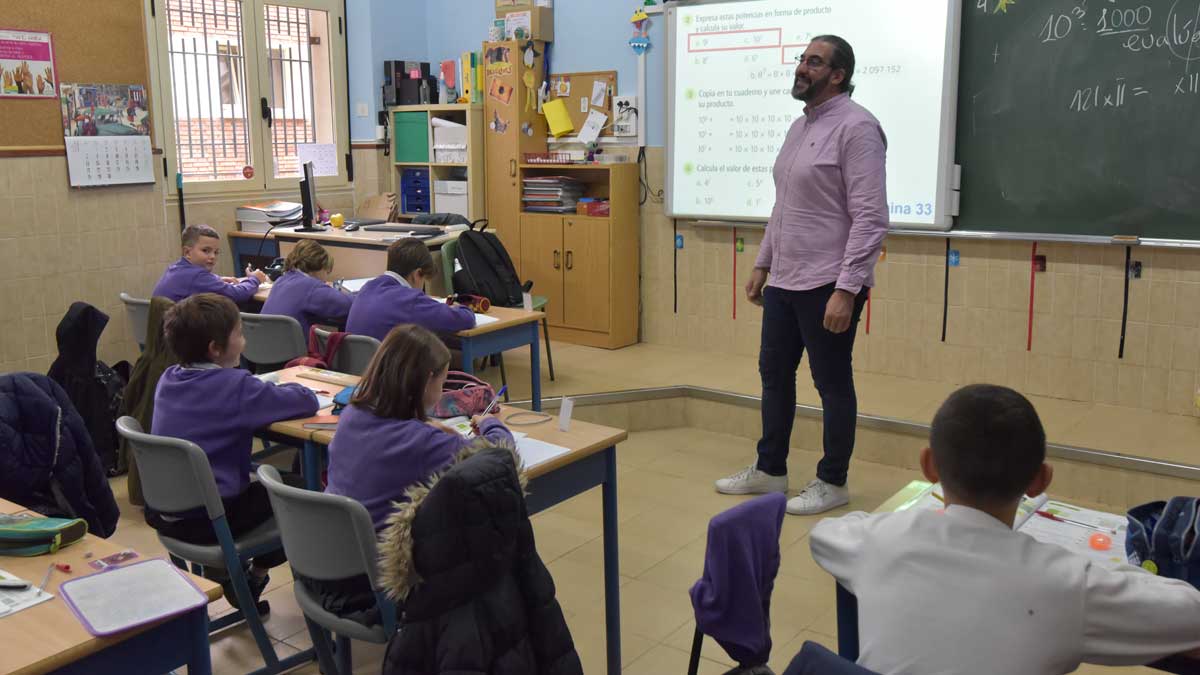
pixel 177 477
pixel 271 341
pixel 353 355
pixel 449 249
pixel 138 311
pixel 815 659
pixel 732 601
pixel 328 537
pixel 847 623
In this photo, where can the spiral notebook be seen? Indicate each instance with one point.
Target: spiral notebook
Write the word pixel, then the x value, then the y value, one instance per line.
pixel 127 597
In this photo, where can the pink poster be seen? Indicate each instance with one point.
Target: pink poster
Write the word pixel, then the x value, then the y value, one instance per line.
pixel 27 64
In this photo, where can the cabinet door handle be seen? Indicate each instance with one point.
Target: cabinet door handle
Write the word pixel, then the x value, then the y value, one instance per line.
pixel 570 260
pixel 512 167
pixel 556 260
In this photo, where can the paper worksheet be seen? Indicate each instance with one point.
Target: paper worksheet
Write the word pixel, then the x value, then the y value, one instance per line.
pixel 354 285
pixel 1075 539
pixel 15 601
pixel 484 319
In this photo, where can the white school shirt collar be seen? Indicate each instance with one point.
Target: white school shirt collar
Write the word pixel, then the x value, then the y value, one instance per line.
pixel 976 517
pixel 397 277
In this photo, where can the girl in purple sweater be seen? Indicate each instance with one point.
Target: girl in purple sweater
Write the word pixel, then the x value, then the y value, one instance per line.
pixel 385 442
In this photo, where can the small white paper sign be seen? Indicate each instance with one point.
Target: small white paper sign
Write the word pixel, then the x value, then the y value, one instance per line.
pixel 583 104
pixel 599 93
pixel 322 155
pixel 564 413
pixel 591 128
pixel 527 302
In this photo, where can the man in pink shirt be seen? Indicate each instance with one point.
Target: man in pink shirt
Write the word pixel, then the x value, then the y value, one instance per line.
pixel 820 248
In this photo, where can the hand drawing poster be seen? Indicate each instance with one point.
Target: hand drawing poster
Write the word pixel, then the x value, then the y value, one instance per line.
pixel 26 64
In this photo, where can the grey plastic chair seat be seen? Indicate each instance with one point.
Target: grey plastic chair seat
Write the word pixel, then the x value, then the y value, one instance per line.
pixel 210 555
pixel 138 311
pixel 272 340
pixel 353 355
pixel 311 606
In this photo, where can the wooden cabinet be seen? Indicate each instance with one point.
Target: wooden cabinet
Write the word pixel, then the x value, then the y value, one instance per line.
pixel 587 266
pixel 513 127
pixel 454 186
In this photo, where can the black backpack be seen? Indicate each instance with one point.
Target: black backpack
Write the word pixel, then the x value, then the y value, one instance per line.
pixel 482 267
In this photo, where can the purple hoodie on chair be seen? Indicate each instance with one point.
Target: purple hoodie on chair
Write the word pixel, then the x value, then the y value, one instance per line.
pixel 307 300
pixel 183 280
pixel 732 600
pixel 388 301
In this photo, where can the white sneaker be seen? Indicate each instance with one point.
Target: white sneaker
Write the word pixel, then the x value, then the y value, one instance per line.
pixel 818 497
pixel 751 481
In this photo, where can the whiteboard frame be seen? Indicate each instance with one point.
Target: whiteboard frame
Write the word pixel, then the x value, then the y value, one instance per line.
pixel 945 196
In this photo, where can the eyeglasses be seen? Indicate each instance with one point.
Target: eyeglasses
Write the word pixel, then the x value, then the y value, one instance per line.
pixel 812 61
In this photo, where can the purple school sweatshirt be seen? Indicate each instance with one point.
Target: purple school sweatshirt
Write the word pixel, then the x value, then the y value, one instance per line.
pixel 373 460
pixel 387 301
pixel 307 300
pixel 183 279
pixel 219 409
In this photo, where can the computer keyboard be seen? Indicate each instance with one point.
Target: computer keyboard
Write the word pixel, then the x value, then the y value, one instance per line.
pixel 431 230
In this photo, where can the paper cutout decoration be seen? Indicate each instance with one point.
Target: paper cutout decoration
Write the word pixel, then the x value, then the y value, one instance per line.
pixel 497 124
pixel 530 54
pixel 640 41
pixel 500 91
pixel 562 87
pixel 558 118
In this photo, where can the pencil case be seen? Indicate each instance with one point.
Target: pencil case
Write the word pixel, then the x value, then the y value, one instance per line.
pixel 25 537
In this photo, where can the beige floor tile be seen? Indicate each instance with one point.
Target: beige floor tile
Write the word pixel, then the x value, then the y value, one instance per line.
pixel 663 659
pixel 589 634
pixel 685 635
pixel 235 651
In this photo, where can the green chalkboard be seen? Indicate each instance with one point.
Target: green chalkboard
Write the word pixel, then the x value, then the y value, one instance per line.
pixel 1080 117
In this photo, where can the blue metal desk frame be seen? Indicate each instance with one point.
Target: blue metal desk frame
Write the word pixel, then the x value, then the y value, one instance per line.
pixel 179 641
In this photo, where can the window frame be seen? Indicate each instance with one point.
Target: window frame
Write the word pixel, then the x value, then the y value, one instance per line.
pixel 257 81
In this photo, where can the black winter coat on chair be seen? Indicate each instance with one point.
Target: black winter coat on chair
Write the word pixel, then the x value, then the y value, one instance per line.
pixel 461 559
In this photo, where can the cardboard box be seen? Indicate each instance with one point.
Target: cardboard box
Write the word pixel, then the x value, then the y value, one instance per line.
pixel 450 187
pixel 505 4
pixel 459 204
pixel 456 136
pixel 540 21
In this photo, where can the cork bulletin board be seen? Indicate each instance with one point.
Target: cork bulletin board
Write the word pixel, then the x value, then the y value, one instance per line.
pixel 582 87
pixel 100 41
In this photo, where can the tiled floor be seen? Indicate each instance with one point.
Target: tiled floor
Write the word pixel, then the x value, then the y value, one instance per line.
pixel 665 499
pixel 580 370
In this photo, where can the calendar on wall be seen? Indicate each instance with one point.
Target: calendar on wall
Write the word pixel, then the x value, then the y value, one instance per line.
pixel 109 160
pixel 106 128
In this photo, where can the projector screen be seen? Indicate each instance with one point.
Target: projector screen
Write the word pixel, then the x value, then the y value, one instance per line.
pixel 731 65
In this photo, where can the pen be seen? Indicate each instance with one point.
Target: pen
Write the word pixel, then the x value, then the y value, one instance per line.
pixel 49 571
pixel 1060 519
pixel 495 400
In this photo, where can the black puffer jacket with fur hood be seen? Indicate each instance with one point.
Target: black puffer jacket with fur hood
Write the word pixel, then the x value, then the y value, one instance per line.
pixel 460 556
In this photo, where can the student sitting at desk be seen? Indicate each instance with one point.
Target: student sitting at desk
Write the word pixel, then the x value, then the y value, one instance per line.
pixel 303 292
pixel 209 401
pixel 396 297
pixel 959 591
pixel 385 442
pixel 193 273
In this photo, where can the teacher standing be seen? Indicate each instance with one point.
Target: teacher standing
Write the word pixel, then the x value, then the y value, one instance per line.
pixel 820 248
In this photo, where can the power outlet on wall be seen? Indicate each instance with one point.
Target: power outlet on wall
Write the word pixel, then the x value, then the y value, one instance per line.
pixel 625 115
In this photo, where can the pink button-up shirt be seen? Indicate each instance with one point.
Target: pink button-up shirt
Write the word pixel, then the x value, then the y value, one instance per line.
pixel 831 211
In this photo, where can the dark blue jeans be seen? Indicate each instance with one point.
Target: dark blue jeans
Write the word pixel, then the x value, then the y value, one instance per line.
pixel 792 322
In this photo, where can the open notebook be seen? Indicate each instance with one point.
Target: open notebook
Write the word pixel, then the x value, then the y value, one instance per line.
pixel 1051 522
pixel 532 451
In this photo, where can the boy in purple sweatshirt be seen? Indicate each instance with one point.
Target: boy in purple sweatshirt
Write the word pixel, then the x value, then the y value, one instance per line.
pixel 193 273
pixel 303 292
pixel 207 400
pixel 385 442
pixel 396 297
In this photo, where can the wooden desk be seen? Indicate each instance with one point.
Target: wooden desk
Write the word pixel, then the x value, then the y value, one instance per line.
pixel 847 603
pixel 49 638
pixel 512 329
pixel 355 254
pixel 592 461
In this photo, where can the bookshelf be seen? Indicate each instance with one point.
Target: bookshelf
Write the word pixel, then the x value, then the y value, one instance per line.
pixel 454 186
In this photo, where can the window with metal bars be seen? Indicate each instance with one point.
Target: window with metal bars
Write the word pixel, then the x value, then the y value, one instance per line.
pixel 250 86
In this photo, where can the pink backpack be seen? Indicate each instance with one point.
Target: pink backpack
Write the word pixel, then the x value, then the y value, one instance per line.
pixel 463 394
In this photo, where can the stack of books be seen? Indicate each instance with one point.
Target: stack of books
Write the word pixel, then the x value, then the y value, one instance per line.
pixel 262 217
pixel 551 194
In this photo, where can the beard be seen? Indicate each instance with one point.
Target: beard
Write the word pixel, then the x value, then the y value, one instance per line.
pixel 806 90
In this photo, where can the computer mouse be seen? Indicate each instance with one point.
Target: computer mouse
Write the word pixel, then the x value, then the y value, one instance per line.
pixel 350 227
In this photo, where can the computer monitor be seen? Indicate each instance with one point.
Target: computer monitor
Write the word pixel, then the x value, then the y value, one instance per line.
pixel 308 199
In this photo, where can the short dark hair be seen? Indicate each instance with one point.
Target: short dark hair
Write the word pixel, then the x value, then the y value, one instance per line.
pixel 192 233
pixel 988 443
pixel 394 382
pixel 843 59
pixel 406 255
pixel 196 321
